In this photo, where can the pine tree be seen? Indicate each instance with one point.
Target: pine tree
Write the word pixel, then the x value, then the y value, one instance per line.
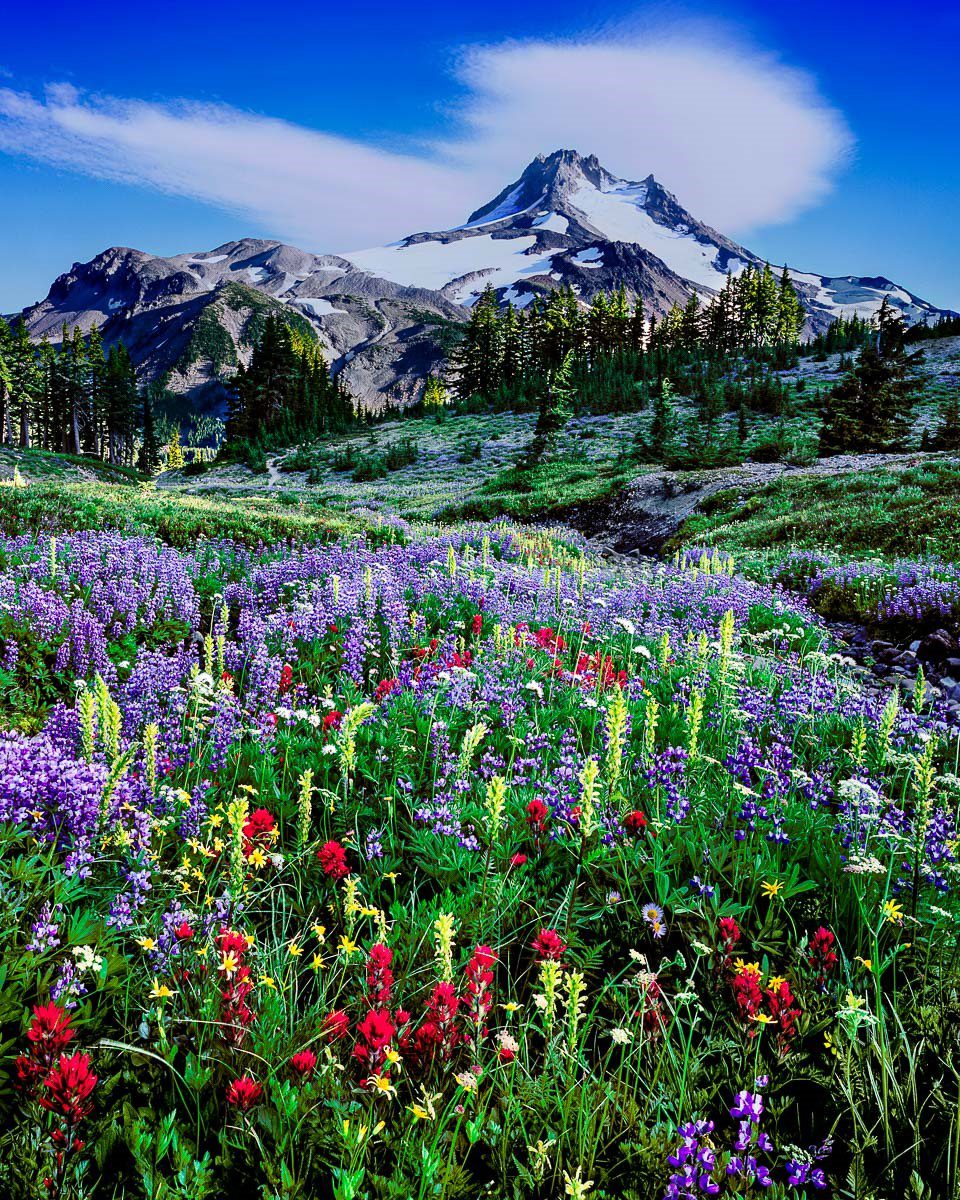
pixel 663 425
pixel 869 408
pixel 553 412
pixel 148 460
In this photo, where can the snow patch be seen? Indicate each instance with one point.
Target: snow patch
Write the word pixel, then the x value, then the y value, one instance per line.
pixel 214 258
pixel 552 221
pixel 432 264
pixel 618 214
pixel 318 306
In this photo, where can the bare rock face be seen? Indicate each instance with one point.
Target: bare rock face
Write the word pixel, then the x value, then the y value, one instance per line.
pixel 384 317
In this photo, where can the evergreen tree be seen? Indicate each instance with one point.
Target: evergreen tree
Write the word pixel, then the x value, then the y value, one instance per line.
pixel 148 460
pixel 554 411
pixel 869 407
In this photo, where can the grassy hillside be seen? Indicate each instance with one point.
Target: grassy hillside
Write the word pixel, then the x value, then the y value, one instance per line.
pixel 53 506
pixel 884 512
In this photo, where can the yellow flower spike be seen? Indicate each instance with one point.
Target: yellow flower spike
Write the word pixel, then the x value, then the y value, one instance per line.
pixel 854 1002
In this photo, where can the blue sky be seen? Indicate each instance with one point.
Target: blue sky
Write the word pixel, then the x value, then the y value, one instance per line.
pixel 186 125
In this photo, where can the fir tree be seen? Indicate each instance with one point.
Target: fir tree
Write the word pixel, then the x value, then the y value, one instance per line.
pixel 869 407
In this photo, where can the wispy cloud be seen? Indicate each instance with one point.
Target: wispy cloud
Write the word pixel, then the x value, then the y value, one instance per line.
pixel 742 139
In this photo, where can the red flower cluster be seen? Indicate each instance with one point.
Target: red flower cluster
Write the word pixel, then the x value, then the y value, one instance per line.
pixel 68 1087
pixel 333 860
pixel 303 1064
pixel 479 975
pixel 259 831
pixel 286 679
pixel 821 954
pixel 595 670
pixel 747 995
pixel 61 1083
pixel 438 1035
pixel 332 721
pixel 776 1004
pixel 235 1013
pixel 384 688
pixel 549 945
pixel 729 936
pixel 375 1033
pixel 635 822
pixel 546 639
pixel 335 1025
pixel 243 1093
pixel 379 975
pixel 537 815
pixel 453 1019
pixel 476 625
pixel 784 1009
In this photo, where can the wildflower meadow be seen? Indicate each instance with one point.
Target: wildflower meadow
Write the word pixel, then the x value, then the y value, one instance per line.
pixel 408 865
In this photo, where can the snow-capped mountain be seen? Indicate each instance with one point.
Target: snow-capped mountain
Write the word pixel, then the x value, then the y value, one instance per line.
pixel 569 220
pixel 384 315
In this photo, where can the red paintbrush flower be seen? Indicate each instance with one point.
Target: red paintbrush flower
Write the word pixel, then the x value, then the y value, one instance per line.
pixel 303 1063
pixel 243 1093
pixel 68 1087
pixel 549 945
pixel 333 860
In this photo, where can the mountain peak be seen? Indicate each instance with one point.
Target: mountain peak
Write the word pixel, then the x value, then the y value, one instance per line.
pixel 543 182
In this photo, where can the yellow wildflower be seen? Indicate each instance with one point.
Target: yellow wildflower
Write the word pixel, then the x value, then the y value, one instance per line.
pixel 893 911
pixel 771 888
pixel 160 991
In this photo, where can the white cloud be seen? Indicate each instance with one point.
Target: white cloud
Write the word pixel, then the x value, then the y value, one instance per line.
pixel 740 138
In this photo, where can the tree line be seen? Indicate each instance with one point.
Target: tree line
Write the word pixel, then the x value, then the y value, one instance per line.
pixel 620 356
pixel 286 394
pixel 74 397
